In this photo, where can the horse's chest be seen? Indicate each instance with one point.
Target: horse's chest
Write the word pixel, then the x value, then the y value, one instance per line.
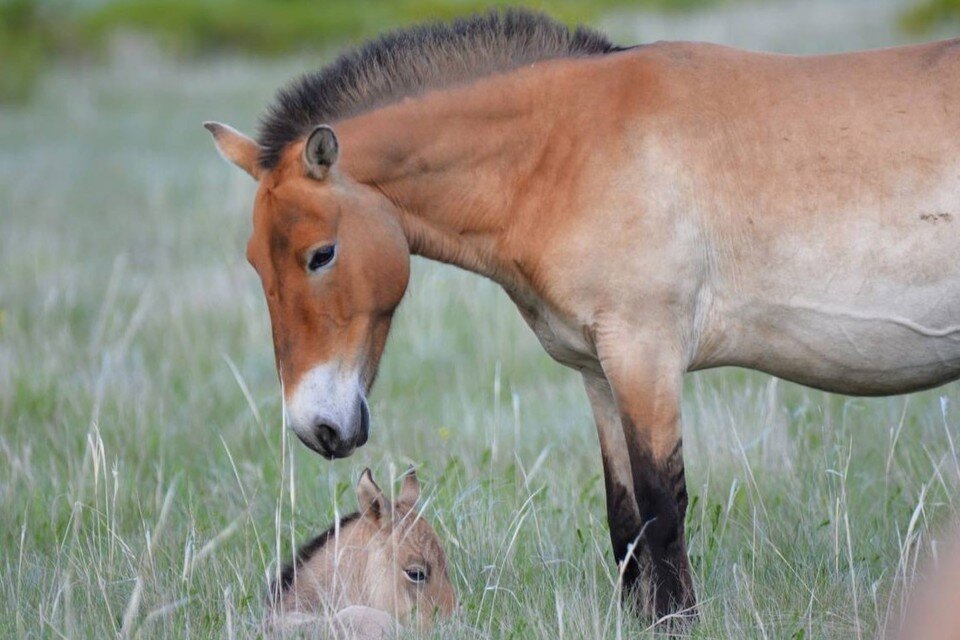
pixel 561 335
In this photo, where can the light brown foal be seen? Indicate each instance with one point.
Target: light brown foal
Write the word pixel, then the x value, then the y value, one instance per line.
pixel 651 211
pixel 382 564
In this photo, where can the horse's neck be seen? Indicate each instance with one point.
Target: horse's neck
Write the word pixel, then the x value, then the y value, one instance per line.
pixel 459 166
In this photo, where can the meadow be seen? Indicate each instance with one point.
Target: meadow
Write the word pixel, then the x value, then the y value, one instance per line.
pixel 33 33
pixel 148 488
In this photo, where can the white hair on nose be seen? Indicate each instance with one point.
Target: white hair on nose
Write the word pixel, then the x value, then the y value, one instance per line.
pixel 327 393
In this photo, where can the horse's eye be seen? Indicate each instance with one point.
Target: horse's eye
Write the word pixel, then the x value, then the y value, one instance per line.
pixel 321 257
pixel 416 574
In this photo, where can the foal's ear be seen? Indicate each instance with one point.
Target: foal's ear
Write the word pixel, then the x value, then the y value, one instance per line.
pixel 236 147
pixel 320 152
pixel 370 498
pixel 410 491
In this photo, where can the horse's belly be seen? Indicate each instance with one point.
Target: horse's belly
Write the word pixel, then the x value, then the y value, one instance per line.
pixel 866 301
pixel 859 347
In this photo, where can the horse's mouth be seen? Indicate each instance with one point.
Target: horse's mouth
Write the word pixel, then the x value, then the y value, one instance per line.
pixel 325 452
pixel 346 450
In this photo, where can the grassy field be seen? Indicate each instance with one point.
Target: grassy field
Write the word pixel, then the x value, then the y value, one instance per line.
pixel 147 488
pixel 33 33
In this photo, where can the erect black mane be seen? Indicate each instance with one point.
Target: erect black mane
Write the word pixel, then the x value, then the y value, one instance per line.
pixel 306 552
pixel 410 61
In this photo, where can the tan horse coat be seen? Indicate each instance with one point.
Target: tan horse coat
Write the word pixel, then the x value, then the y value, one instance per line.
pixel 665 209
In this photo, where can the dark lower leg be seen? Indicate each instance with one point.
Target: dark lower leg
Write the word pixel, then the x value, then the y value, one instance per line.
pixel 664 584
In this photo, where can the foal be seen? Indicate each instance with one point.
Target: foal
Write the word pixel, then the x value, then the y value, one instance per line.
pixel 380 564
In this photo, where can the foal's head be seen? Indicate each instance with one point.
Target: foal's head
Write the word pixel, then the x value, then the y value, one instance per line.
pixel 386 557
pixel 334 265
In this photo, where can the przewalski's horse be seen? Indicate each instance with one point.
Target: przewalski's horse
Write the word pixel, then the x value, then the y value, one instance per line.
pixel 383 561
pixel 651 211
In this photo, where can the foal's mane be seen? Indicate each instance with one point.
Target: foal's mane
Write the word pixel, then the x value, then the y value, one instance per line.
pixel 411 61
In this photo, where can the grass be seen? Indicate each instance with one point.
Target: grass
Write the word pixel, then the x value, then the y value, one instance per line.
pixel 27 42
pixel 147 488
pixel 269 27
pixel 927 14
pixel 35 32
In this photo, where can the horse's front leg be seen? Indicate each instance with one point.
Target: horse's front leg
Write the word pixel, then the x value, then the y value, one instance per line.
pixel 646 385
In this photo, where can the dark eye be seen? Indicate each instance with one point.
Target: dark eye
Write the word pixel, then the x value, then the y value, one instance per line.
pixel 416 574
pixel 321 257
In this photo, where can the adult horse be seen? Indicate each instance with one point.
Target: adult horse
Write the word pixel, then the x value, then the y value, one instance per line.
pixel 651 211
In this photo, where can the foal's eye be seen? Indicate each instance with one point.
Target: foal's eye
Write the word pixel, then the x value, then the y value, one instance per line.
pixel 321 257
pixel 416 574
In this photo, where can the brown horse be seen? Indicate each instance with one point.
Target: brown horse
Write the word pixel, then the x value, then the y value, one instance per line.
pixel 375 568
pixel 651 211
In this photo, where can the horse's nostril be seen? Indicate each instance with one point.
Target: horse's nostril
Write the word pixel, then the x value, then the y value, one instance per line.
pixel 328 436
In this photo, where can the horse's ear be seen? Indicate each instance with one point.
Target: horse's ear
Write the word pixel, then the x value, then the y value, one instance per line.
pixel 410 491
pixel 236 147
pixel 320 152
pixel 372 502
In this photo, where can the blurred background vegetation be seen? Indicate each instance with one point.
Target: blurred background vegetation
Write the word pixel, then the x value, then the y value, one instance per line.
pixel 33 33
pixel 925 15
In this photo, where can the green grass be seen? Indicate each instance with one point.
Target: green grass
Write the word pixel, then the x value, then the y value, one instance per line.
pixel 33 32
pixel 270 27
pixel 927 14
pixel 147 487
pixel 27 40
